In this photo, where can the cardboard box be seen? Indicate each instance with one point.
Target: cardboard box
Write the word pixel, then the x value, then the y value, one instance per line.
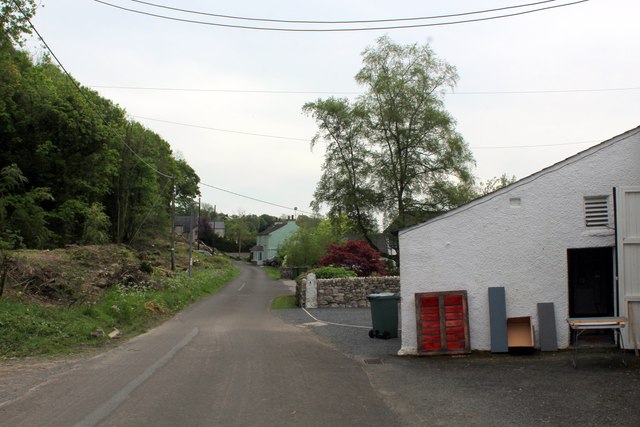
pixel 520 335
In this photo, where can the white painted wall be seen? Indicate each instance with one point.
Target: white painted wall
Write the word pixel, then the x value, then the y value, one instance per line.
pixel 493 241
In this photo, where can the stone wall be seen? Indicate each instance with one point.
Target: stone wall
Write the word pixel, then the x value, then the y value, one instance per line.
pixel 348 291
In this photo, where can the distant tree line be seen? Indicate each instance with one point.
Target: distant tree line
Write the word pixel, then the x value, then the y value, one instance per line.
pixel 73 167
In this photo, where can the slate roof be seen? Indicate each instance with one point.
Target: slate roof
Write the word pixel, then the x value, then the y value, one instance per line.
pixel 272 228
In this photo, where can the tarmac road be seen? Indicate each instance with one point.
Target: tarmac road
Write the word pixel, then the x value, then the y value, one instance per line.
pixel 228 360
pixel 225 361
pixel 484 389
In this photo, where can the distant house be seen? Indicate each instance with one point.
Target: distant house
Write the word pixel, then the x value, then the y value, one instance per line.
pixel 183 225
pixel 568 235
pixel 217 227
pixel 269 240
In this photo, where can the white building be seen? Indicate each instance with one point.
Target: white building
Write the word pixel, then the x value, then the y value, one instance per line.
pixel 269 240
pixel 550 237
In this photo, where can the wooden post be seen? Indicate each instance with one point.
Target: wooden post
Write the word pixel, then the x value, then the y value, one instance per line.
pixel 173 227
pixel 190 238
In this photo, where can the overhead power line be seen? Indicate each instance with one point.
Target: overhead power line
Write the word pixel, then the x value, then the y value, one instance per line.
pixel 534 145
pixel 364 21
pixel 254 199
pixel 526 92
pixel 178 89
pixel 313 92
pixel 309 140
pixel 327 30
pixel 223 130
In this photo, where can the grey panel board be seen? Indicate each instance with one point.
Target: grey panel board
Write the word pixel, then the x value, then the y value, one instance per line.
pixel 547 326
pixel 498 320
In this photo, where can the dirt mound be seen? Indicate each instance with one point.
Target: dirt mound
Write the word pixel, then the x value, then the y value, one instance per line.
pixel 73 274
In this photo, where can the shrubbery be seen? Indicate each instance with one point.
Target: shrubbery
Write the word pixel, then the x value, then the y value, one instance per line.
pixel 355 255
pixel 332 272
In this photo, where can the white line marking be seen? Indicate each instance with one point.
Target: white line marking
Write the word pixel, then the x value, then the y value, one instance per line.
pixel 116 400
pixel 242 286
pixel 335 324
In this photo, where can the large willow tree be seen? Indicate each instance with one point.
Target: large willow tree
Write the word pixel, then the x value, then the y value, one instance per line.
pixel 394 150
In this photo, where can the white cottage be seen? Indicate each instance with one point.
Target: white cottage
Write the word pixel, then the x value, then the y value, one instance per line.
pixel 559 235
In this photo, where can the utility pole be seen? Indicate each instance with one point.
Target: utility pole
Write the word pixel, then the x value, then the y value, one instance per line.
pixel 190 237
pixel 173 227
pixel 213 238
pixel 199 219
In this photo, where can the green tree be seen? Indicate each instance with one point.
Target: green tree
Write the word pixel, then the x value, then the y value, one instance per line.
pixel 494 184
pixel 394 150
pixel 422 163
pixel 22 218
pixel 347 183
pixel 14 18
pixel 308 243
pixel 237 230
pixel 96 225
pixel 266 221
pixel 186 185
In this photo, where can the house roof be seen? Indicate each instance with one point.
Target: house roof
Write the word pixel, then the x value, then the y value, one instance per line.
pixel 257 248
pixel 570 160
pixel 186 222
pixel 271 229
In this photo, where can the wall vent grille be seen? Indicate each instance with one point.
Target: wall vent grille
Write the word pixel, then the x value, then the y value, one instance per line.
pixel 596 211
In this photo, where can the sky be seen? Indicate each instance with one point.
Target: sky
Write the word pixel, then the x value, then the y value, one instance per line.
pixel 533 88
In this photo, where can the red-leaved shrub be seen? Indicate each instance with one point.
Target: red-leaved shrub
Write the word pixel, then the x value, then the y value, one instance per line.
pixel 355 255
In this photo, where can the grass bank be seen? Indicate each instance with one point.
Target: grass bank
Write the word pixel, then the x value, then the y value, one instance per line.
pixel 287 301
pixel 30 328
pixel 273 273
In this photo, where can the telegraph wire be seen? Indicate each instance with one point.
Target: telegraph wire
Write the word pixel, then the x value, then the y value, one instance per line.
pixel 534 145
pixel 543 91
pixel 309 140
pixel 223 130
pixel 177 89
pixel 333 30
pixel 79 89
pixel 254 199
pixel 312 92
pixel 365 21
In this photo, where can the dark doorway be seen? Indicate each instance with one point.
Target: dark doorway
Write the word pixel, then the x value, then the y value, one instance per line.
pixel 591 290
pixel 590 282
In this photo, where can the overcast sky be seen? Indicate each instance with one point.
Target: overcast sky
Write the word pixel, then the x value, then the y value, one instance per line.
pixel 534 89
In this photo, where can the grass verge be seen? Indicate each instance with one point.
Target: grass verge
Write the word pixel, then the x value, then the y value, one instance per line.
pixel 287 301
pixel 29 329
pixel 273 273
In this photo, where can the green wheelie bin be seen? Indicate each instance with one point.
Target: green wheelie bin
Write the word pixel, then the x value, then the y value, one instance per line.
pixel 384 315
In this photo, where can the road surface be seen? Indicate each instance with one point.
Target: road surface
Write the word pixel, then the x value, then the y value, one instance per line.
pixel 224 361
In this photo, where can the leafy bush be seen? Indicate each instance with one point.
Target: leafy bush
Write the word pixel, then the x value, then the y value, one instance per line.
pixel 307 244
pixel 332 272
pixel 355 255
